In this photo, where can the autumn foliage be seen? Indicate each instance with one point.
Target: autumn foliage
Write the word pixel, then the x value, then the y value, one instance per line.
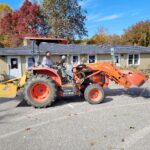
pixel 4 9
pixel 27 21
pixel 138 34
pixel 65 19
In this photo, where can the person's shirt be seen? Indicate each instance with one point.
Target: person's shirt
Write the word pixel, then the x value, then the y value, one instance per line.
pixel 46 62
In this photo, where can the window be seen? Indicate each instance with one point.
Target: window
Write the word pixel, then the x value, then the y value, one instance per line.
pixel 75 59
pixel 117 59
pixel 30 62
pixel 133 59
pixel 92 59
pixel 14 63
pixel 136 59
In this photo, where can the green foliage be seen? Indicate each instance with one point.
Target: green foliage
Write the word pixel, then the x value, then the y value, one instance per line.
pixel 66 18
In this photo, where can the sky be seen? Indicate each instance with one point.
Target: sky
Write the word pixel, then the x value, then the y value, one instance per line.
pixel 114 15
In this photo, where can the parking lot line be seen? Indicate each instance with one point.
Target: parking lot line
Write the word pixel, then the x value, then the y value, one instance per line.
pixel 71 106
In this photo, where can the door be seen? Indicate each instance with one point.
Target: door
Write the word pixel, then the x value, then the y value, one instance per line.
pixel 14 66
pixel 117 60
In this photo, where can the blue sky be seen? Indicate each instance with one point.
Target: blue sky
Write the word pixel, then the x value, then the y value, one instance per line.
pixel 115 15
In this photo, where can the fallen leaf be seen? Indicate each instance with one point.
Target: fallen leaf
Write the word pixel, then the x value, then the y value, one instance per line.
pixel 92 143
pixel 123 140
pixel 131 127
pixel 28 129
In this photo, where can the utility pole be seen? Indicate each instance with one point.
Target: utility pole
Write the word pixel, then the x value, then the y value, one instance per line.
pixel 113 54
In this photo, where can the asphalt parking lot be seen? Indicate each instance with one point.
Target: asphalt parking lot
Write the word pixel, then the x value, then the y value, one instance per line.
pixel 121 122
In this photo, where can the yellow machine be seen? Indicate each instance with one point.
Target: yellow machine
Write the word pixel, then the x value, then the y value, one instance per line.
pixel 9 89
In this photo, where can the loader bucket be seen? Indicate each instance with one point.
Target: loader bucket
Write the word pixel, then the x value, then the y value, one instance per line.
pixel 135 78
pixel 8 90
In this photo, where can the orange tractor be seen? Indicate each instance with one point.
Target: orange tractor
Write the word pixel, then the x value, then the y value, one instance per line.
pixel 46 84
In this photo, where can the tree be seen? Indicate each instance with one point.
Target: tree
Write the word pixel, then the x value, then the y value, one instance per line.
pixel 66 18
pixel 4 9
pixel 101 37
pixel 5 40
pixel 1 45
pixel 138 34
pixel 27 21
pixel 114 39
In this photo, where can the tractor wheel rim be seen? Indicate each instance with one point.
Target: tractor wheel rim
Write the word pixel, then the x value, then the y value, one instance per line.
pixel 95 94
pixel 39 92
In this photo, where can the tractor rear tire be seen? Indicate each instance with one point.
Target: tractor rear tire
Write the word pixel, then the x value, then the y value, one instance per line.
pixel 94 94
pixel 40 91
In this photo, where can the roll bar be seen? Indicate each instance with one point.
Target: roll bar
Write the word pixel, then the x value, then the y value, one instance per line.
pixel 38 40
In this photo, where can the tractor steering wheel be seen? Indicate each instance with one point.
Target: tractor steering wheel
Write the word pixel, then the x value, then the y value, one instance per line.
pixel 81 66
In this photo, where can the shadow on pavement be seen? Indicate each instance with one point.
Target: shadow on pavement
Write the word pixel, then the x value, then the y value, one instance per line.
pixel 65 101
pixel 7 116
pixel 74 99
pixel 23 103
pixel 4 100
pixel 132 92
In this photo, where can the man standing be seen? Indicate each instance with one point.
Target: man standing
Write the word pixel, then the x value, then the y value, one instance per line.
pixel 47 61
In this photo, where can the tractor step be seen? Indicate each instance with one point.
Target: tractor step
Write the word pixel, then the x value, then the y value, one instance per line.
pixel 70 91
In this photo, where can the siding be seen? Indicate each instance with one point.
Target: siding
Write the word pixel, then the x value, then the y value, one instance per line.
pixel 123 60
pixel 144 61
pixel 83 56
pixel 56 58
pixel 23 64
pixel 104 58
pixel 3 65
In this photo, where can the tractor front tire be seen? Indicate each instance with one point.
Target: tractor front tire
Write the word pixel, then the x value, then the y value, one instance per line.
pixel 40 91
pixel 94 94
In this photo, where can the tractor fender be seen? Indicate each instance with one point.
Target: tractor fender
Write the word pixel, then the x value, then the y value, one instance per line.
pixel 50 72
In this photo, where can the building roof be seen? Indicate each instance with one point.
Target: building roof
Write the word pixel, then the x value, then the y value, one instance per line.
pixel 74 49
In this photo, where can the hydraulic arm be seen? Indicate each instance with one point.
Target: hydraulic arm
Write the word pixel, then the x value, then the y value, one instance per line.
pixel 122 77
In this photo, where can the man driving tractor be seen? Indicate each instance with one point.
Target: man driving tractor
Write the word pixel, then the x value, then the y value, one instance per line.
pixel 47 61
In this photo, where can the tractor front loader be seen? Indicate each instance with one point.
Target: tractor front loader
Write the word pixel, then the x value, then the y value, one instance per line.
pixel 92 79
pixel 45 84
